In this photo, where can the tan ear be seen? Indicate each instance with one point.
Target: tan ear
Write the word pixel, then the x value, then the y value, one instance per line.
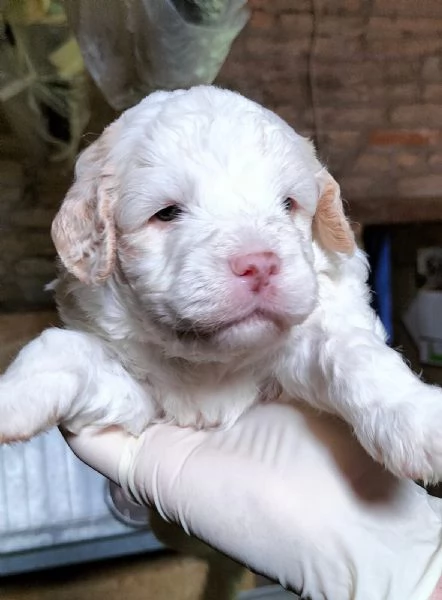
pixel 83 231
pixel 330 226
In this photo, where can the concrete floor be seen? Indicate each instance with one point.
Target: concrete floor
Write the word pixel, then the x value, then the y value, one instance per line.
pixel 157 577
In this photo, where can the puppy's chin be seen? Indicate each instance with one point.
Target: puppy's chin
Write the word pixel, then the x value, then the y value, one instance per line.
pixel 249 336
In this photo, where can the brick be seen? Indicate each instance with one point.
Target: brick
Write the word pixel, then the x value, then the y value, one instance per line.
pixel 408 8
pixel 371 163
pixel 281 6
pixel 432 92
pixel 351 117
pixel 382 186
pixel 393 27
pixel 348 74
pixel 351 96
pixel 383 49
pixel 432 69
pixel 351 49
pixel 295 24
pixel 436 161
pixel 428 185
pixel 307 132
pixel 408 161
pixel 262 20
pixel 409 92
pixel 259 47
pixel 417 114
pixel 348 27
pixel 386 206
pixel 274 70
pixel 300 119
pixel 342 139
pixel 339 7
pixel 355 187
pixel 340 149
pixel 234 70
pixel 250 89
pixel 404 137
pixel 285 91
pixel 289 113
pixel 401 71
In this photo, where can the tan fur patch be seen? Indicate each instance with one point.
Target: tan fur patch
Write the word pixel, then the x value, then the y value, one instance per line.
pixel 83 231
pixel 330 225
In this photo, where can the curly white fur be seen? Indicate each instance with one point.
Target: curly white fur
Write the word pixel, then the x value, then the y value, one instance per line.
pixel 158 325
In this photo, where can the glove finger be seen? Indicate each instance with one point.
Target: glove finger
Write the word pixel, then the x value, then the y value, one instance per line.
pixel 103 450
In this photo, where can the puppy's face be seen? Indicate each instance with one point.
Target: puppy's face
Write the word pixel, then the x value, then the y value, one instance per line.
pixel 210 200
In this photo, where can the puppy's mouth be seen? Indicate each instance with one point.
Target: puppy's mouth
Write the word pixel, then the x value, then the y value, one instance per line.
pixel 255 318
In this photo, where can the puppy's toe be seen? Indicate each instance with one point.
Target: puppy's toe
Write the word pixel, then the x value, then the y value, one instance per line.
pixel 431 410
pixel 415 440
pixel 24 411
pixel 407 436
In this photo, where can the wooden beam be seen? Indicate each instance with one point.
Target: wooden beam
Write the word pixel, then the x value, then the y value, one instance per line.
pixel 394 211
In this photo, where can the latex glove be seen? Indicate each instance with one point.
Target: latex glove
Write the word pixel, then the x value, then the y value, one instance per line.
pixel 288 493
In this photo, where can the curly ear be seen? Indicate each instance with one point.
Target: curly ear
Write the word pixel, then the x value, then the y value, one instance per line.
pixel 331 228
pixel 83 231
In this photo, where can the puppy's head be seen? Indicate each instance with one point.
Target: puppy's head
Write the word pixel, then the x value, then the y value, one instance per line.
pixel 209 208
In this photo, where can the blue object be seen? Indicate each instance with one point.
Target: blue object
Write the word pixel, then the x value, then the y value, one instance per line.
pixel 377 241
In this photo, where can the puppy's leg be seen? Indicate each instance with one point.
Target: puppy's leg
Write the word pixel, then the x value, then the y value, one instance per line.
pixel 396 417
pixel 66 377
pixel 39 387
pixel 223 574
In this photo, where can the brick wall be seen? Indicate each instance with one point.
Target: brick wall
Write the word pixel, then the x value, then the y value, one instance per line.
pixel 364 78
pixel 374 71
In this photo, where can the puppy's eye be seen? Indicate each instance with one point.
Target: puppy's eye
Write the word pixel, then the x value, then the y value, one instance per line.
pixel 289 204
pixel 170 213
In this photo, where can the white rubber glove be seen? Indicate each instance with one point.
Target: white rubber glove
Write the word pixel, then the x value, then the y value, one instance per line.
pixel 291 495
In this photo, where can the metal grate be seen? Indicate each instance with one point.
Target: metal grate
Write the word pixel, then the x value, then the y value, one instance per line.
pixel 50 501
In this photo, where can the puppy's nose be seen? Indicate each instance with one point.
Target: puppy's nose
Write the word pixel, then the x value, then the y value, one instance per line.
pixel 257 268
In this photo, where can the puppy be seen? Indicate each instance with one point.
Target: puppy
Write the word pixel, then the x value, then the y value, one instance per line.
pixel 206 264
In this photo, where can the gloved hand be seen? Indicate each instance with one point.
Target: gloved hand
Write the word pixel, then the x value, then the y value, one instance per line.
pixel 288 493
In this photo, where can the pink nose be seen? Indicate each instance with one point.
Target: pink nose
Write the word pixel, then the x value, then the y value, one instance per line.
pixel 257 268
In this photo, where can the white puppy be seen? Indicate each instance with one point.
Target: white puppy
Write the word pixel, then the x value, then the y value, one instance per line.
pixel 207 265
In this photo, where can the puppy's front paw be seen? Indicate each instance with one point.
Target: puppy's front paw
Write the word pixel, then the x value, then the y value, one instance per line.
pixel 407 436
pixel 430 410
pixel 30 406
pixel 13 417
